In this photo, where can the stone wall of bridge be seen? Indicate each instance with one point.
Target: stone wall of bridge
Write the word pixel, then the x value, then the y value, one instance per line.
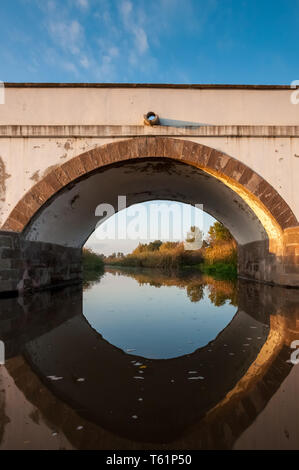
pixel 277 264
pixel 27 159
pixel 54 137
pixel 43 126
pixel 27 266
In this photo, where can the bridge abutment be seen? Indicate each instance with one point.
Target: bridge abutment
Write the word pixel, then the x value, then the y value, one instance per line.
pixel 27 266
pixel 274 262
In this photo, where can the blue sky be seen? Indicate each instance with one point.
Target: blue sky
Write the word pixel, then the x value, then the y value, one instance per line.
pixel 176 41
pixel 149 41
pixel 172 223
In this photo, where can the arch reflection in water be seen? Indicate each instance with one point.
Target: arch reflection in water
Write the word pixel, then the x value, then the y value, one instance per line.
pixel 160 316
pixel 202 399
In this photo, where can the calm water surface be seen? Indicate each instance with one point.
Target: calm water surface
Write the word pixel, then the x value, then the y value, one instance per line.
pixel 141 359
pixel 153 320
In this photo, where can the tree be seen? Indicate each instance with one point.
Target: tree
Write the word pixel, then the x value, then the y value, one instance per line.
pixel 146 247
pixel 141 248
pixel 195 292
pixel 92 261
pixel 218 233
pixel 154 246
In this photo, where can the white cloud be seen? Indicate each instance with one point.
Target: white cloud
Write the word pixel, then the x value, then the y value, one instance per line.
pixel 133 26
pixel 68 34
pixel 85 62
pixel 126 9
pixel 70 67
pixel 113 51
pixel 106 70
pixel 51 5
pixel 141 39
pixel 122 38
pixel 107 64
pixel 82 4
pixel 53 58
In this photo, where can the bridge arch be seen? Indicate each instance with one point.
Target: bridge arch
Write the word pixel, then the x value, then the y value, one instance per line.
pixel 266 229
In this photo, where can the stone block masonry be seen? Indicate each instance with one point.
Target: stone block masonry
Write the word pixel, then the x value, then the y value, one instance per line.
pixel 257 262
pixel 27 266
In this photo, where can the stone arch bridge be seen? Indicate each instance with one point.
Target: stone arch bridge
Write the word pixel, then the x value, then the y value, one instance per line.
pixel 65 148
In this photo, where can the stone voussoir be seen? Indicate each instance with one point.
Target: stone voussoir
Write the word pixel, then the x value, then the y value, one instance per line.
pixel 149 146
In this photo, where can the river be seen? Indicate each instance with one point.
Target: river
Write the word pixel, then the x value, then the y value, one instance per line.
pixel 143 359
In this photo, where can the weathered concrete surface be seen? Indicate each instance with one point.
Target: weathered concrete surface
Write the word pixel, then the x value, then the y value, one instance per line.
pixel 57 141
pixel 256 261
pixel 271 209
pixel 46 125
pixel 70 217
pixel 28 159
pixel 26 266
pixel 121 104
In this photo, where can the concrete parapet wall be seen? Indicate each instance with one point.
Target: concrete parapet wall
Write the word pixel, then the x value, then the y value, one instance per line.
pixel 26 266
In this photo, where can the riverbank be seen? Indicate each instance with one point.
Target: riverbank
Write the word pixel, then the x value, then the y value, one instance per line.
pixel 220 270
pixel 219 261
pixel 164 258
pixel 93 266
pixel 216 257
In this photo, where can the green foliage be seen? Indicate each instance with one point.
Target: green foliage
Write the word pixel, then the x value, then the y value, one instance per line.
pixel 154 246
pixel 224 252
pixel 152 255
pixel 192 258
pixel 218 258
pixel 220 270
pixel 218 233
pixel 148 247
pixel 92 261
pixel 169 255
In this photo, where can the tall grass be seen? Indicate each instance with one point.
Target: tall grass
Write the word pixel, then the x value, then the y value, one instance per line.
pixel 217 259
pixel 220 260
pixel 222 252
pixel 168 256
pixel 168 259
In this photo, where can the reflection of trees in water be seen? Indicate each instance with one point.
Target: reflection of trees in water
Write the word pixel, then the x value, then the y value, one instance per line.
pixel 155 284
pixel 252 379
pixel 92 277
pixel 218 298
pixel 195 292
pixel 222 291
pixel 193 282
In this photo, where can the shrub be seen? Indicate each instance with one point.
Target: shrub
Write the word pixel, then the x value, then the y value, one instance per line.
pixel 92 261
pixel 224 252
